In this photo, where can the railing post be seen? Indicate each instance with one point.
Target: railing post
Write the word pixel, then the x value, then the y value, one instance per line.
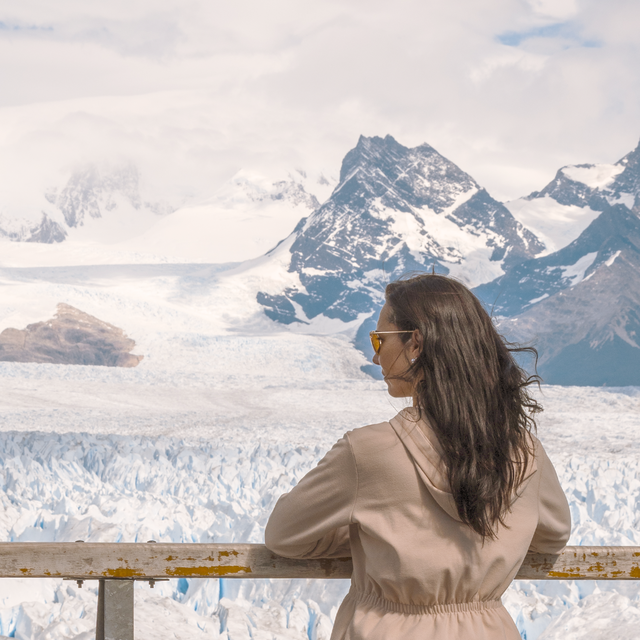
pixel 115 610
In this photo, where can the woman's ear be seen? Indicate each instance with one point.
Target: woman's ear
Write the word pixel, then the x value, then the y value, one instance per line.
pixel 415 344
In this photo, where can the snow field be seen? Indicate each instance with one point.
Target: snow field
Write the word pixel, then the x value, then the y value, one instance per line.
pixel 557 225
pixel 244 219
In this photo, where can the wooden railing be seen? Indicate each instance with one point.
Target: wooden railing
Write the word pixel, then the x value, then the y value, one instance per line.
pixel 117 566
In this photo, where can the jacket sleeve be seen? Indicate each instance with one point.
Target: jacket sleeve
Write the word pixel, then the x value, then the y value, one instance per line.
pixel 554 517
pixel 312 520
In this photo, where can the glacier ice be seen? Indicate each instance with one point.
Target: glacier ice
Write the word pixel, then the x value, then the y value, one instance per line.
pixel 106 488
pixel 187 448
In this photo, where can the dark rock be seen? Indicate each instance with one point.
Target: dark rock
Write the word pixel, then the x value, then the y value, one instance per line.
pixel 629 180
pixel 278 308
pixel 71 337
pixel 615 229
pixel 48 231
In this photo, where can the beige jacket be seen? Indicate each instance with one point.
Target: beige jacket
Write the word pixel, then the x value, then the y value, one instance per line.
pixel 419 573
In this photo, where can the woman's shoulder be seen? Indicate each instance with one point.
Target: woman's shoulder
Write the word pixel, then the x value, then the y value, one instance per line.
pixel 373 438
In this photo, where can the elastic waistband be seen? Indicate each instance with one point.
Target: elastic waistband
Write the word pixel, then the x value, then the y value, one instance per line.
pixel 372 600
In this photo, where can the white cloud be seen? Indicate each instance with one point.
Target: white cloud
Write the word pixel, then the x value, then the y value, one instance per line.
pixel 556 9
pixel 193 91
pixel 509 57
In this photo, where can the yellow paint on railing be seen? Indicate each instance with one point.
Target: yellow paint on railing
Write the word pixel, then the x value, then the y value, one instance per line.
pixel 122 572
pixel 207 572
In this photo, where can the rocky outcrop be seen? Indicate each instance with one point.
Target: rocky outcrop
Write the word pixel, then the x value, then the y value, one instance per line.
pixel 48 231
pixel 70 337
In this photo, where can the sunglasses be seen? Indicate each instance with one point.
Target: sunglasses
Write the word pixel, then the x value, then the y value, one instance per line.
pixel 376 340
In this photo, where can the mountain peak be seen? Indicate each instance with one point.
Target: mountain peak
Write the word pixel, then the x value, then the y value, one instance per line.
pixel 395 210
pixel 400 176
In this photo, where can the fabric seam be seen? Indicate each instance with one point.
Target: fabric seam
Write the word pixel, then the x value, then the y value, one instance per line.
pixel 539 485
pixel 355 466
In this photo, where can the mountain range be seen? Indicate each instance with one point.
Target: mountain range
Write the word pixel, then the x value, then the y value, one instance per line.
pixel 559 267
pixel 397 210
pixel 581 303
pixel 96 203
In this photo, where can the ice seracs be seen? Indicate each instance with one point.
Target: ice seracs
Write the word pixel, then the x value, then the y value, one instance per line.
pixel 107 487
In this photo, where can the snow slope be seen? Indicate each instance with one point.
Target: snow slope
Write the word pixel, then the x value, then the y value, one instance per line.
pixel 244 219
pixel 556 224
pixel 104 213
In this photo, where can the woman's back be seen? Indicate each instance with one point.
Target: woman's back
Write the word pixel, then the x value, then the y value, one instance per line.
pixel 419 572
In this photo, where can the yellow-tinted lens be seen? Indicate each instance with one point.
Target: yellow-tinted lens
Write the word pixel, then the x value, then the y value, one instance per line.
pixel 375 341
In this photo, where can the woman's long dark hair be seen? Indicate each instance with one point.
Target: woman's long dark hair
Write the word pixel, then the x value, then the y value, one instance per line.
pixel 471 391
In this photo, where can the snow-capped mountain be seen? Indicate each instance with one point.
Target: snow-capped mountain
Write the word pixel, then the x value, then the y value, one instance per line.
pixel 537 262
pixel 581 303
pixel 575 197
pixel 43 230
pixel 394 210
pixel 96 203
pixel 243 219
pixel 102 212
pixel 589 334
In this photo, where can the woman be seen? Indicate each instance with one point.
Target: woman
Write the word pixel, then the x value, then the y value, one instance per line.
pixel 438 506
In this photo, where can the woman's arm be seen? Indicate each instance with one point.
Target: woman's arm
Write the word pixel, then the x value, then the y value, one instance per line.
pixel 554 517
pixel 312 520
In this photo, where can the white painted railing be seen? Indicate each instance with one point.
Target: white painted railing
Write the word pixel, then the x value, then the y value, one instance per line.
pixel 117 566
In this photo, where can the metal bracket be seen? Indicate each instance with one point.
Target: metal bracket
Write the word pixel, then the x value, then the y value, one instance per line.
pixel 115 610
pixel 152 581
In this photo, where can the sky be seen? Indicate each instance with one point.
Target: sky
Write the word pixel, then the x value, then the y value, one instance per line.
pixel 193 91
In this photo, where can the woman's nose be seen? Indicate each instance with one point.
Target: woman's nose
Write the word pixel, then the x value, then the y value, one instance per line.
pixel 376 359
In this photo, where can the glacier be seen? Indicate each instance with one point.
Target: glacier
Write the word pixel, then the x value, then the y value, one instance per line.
pixel 99 465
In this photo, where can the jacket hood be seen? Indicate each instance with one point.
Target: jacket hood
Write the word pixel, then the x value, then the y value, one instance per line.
pixel 422 445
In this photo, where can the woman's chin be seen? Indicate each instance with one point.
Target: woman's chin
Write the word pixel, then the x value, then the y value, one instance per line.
pixel 395 392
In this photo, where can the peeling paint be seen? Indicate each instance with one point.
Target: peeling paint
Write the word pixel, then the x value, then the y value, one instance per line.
pixel 122 572
pixel 206 572
pixel 635 572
